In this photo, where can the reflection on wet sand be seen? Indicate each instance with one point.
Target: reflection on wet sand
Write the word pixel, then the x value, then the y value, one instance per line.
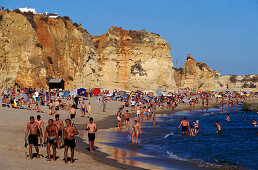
pixel 123 156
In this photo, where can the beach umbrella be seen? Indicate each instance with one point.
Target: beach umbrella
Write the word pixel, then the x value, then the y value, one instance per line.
pixel 121 93
pixel 109 94
pixel 81 91
pixel 24 96
pixel 185 100
pixel 96 91
pixel 159 92
pixel 74 92
pixel 123 96
pixel 66 94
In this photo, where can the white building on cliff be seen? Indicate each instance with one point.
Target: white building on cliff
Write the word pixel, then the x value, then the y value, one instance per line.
pixel 28 10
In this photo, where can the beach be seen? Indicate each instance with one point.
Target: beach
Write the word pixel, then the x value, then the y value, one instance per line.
pixel 13 125
pixel 12 131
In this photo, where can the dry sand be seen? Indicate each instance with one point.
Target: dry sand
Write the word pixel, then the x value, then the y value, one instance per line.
pixel 12 130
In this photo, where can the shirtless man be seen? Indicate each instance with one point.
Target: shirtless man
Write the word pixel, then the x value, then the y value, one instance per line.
pixel 92 129
pixel 89 109
pixel 32 128
pixel 83 107
pixel 72 113
pixel 57 105
pixel 50 137
pixel 50 108
pixel 127 118
pixel 41 125
pixel 218 128
pixel 60 126
pixel 69 132
pixel 184 124
pixel 135 131
pixel 196 127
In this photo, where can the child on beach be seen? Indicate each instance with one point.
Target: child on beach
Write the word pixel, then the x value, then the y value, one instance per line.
pixel 191 131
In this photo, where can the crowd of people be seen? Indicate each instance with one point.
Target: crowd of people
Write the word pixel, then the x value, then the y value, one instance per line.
pixel 145 105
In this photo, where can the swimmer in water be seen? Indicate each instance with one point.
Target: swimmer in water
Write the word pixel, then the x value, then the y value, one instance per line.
pixel 228 118
pixel 135 131
pixel 254 122
pixel 218 128
pixel 196 127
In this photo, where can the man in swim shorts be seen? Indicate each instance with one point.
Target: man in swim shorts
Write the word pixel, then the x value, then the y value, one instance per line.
pixel 50 137
pixel 72 113
pixel 57 105
pixel 60 126
pixel 184 124
pixel 69 142
pixel 127 118
pixel 32 128
pixel 218 128
pixel 92 129
pixel 83 107
pixel 41 126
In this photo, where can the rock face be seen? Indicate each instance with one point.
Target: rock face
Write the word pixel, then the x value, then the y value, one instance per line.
pixel 251 104
pixel 134 60
pixel 34 49
pixel 199 76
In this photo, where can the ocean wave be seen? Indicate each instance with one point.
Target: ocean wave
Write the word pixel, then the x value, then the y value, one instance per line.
pixel 167 135
pixel 173 156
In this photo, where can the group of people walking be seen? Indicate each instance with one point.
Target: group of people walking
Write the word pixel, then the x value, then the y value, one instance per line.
pixel 56 135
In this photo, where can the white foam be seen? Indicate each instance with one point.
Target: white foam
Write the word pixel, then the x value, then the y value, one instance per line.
pixel 167 135
pixel 173 156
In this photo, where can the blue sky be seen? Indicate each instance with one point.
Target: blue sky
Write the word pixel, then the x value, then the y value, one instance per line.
pixel 221 33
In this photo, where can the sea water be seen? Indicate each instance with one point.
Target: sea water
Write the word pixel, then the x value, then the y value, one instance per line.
pixel 237 145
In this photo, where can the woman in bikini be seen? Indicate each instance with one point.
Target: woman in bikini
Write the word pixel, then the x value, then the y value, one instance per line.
pixel 135 131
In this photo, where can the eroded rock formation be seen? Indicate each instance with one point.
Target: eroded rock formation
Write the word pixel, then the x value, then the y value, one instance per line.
pixel 200 76
pixel 134 60
pixel 34 48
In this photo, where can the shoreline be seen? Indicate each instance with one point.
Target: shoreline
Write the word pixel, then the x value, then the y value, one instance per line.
pixel 111 122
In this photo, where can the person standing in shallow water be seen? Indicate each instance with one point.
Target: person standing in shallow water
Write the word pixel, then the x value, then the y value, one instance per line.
pixel 218 132
pixel 184 124
pixel 135 131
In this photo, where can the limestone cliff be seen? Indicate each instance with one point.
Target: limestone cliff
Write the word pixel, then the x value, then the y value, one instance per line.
pixel 200 76
pixel 134 60
pixel 34 48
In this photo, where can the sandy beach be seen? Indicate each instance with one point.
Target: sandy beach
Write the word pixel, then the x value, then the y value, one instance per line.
pixel 13 125
pixel 12 130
